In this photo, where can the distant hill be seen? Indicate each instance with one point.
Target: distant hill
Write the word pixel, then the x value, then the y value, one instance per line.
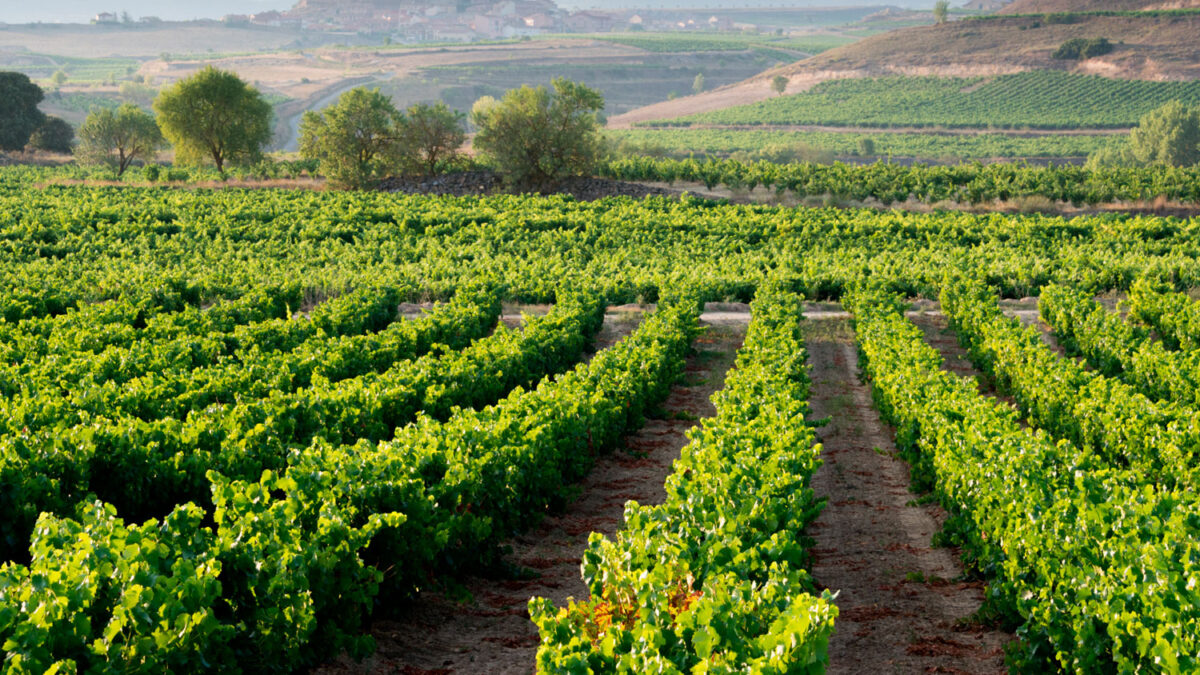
pixel 1149 47
pixel 1044 6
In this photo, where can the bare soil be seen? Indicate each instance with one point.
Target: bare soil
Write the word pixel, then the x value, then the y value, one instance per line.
pixel 905 606
pixel 491 632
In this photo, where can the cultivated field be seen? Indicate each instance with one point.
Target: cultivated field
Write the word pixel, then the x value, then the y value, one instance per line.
pixel 276 430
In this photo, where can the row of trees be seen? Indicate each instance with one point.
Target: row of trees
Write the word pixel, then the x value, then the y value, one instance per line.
pixel 363 138
pixel 534 136
pixel 211 116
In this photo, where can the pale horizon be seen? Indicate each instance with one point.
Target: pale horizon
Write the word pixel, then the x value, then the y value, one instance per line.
pixel 81 11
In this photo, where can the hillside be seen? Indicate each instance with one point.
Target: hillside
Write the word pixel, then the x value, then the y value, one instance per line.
pixel 1043 6
pixel 1148 47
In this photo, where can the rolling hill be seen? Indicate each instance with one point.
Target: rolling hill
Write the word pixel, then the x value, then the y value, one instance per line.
pixel 1044 6
pixel 1151 47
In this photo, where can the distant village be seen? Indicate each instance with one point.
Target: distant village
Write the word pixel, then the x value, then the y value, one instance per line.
pixel 459 20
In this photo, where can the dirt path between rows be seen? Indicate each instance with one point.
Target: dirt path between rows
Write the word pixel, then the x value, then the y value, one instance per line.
pixel 491 632
pixel 904 605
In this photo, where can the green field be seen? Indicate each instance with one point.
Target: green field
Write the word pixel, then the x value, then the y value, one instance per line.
pixel 227 446
pixel 79 70
pixel 756 142
pixel 1036 99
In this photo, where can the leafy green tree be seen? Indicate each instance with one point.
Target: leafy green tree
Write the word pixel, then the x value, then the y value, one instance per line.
pixel 866 146
pixel 941 11
pixel 59 78
pixel 117 137
pixel 1168 136
pixel 19 114
pixel 55 135
pixel 698 83
pixel 779 84
pixel 356 140
pixel 538 137
pixel 214 115
pixel 431 136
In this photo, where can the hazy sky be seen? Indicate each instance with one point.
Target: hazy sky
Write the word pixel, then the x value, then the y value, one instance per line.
pixel 80 11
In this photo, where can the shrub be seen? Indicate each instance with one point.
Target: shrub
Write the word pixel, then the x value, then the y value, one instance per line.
pixel 1078 49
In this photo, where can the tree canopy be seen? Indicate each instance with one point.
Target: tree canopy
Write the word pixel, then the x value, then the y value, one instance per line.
pixel 431 137
pixel 55 135
pixel 19 114
pixel 215 116
pixel 536 137
pixel 1169 136
pixel 118 137
pixel 356 139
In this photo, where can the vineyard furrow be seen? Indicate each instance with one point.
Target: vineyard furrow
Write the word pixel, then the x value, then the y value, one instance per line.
pixel 290 547
pixel 1068 591
pixel 348 336
pixel 491 632
pixel 147 468
pixel 1121 426
pixel 903 605
pixel 716 573
pixel 91 329
pixel 1119 349
pixel 1174 316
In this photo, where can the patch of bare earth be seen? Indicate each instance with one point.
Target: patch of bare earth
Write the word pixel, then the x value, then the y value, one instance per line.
pixel 491 632
pixel 905 606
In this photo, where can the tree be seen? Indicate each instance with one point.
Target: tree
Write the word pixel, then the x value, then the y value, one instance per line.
pixel 214 115
pixel 866 146
pixel 137 94
pixel 1079 49
pixel 941 11
pixel 431 135
pixel 356 140
pixel 59 78
pixel 55 135
pixel 1169 136
pixel 19 114
pixel 118 137
pixel 779 84
pixel 698 83
pixel 539 137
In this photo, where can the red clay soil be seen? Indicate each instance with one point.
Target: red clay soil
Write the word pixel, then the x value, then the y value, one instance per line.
pixel 491 632
pixel 905 606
